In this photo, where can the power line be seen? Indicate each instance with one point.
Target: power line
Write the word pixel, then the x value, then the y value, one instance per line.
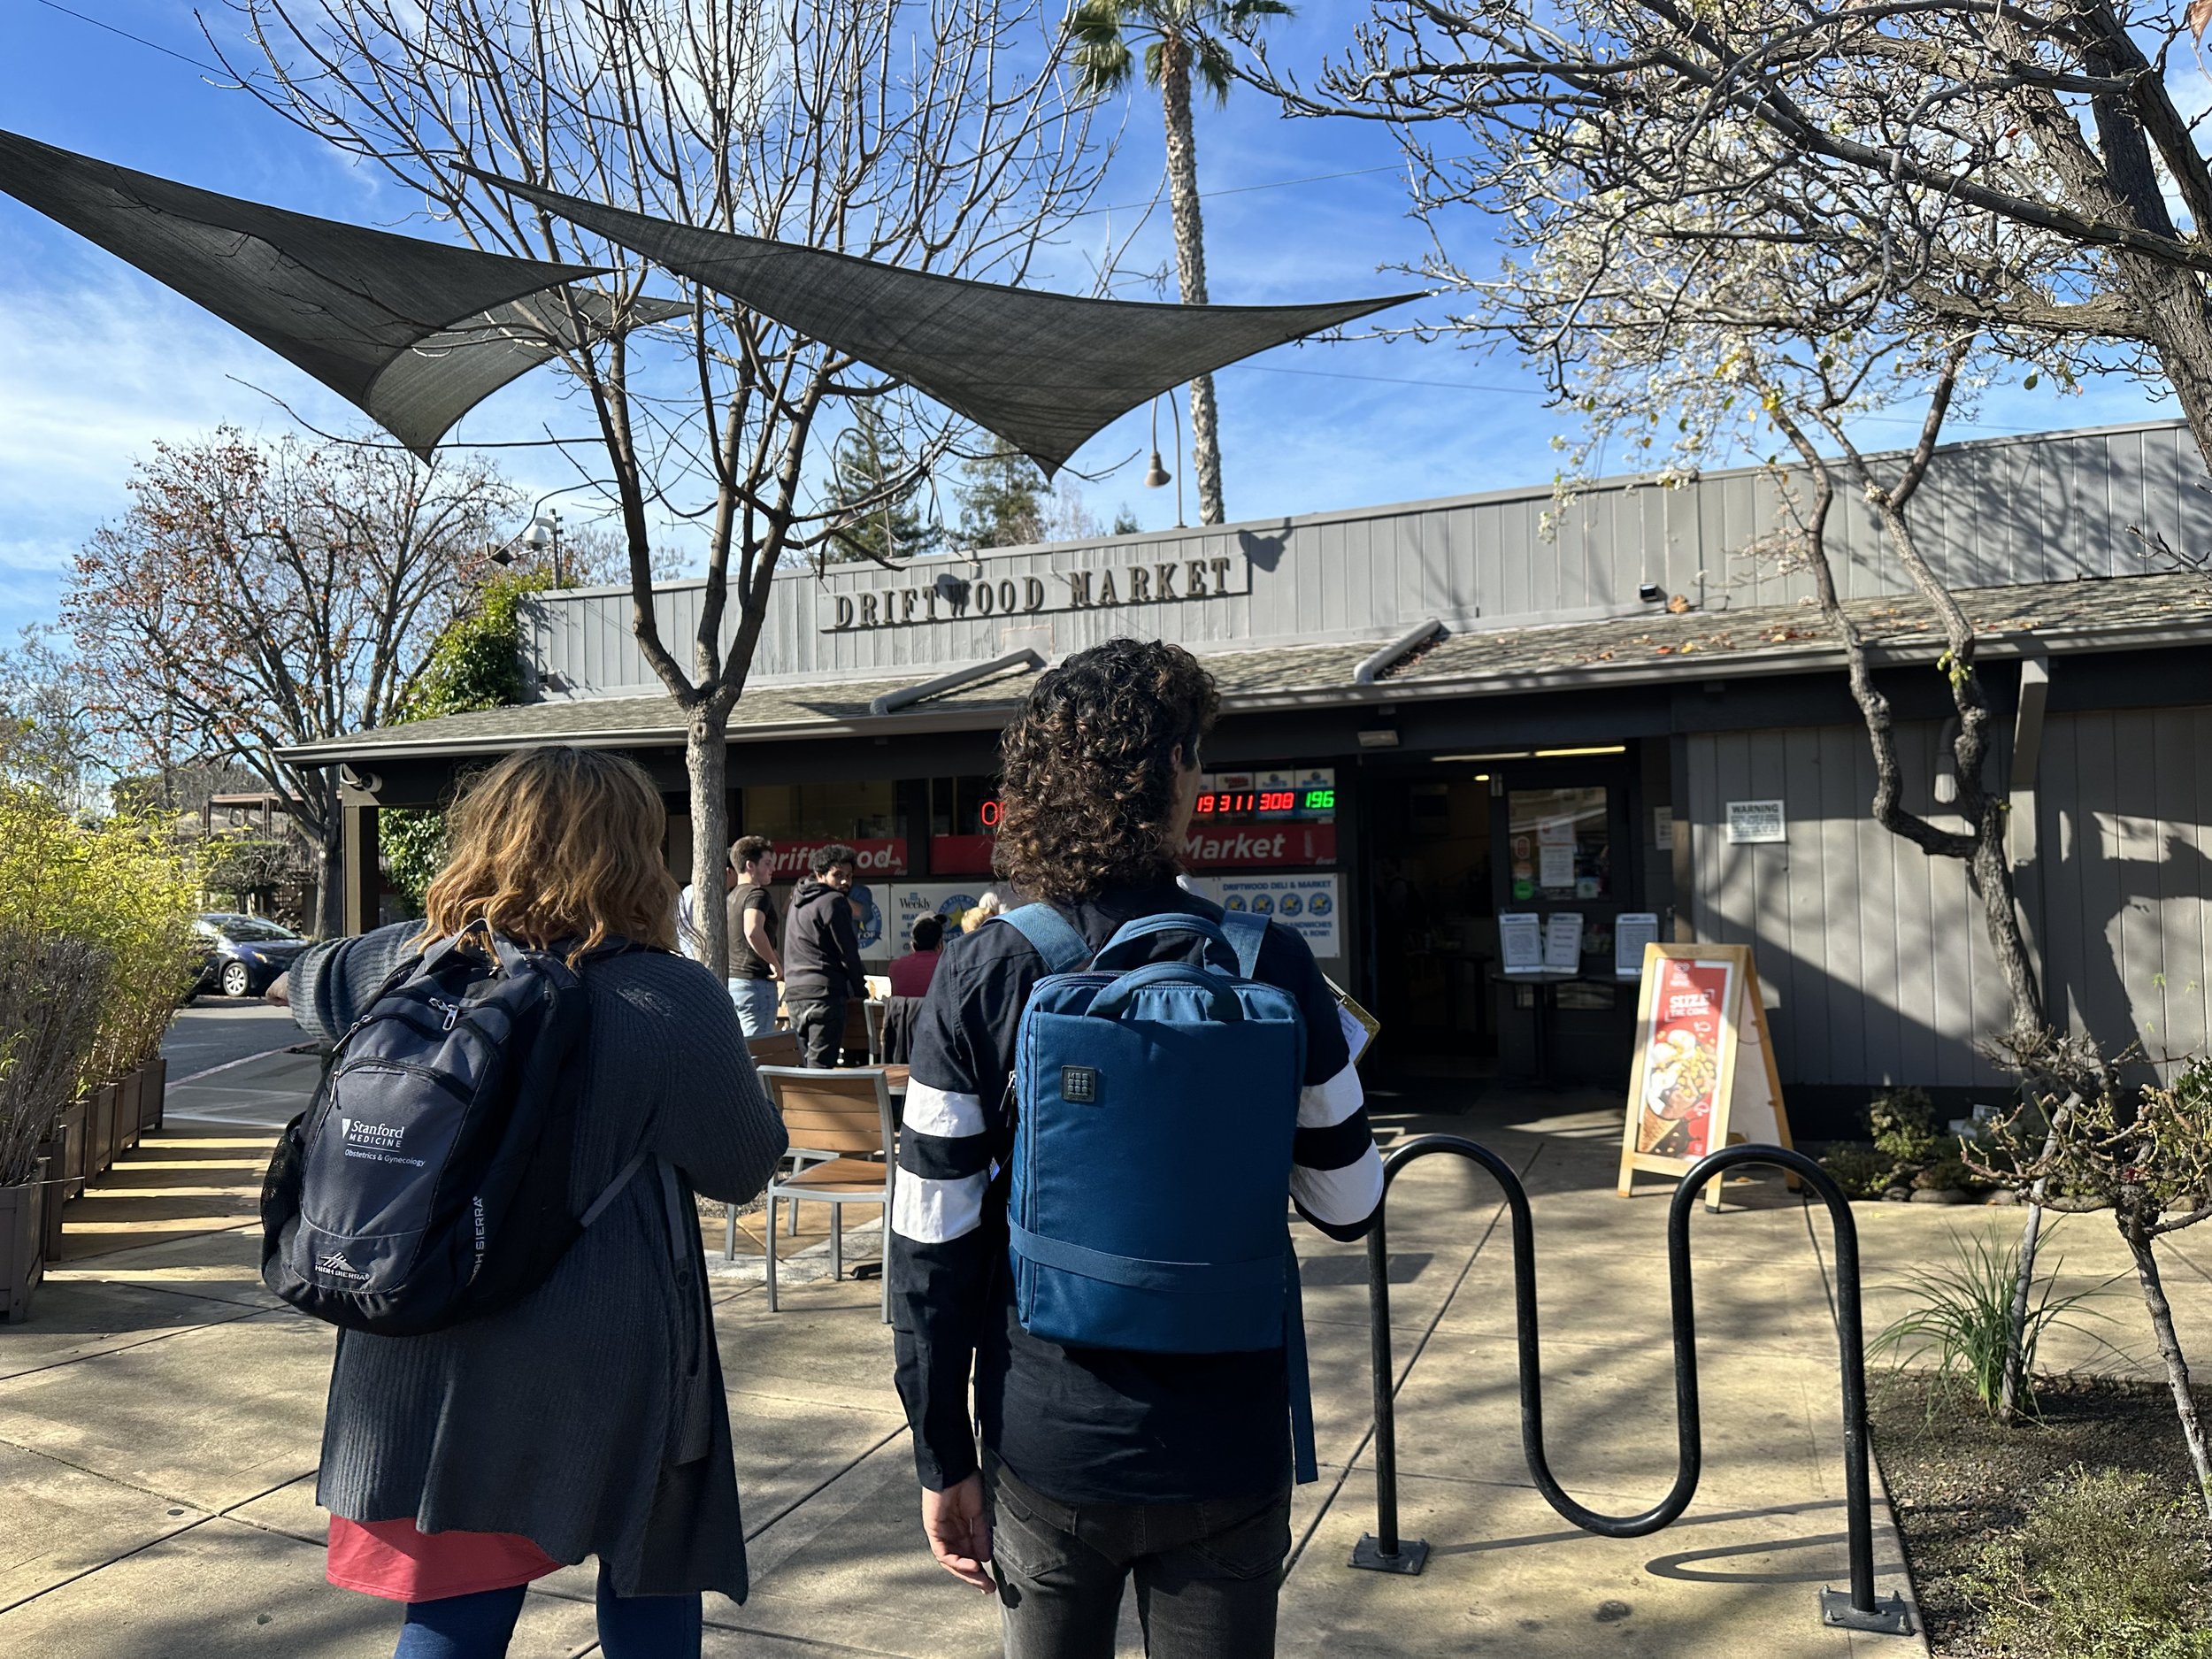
pixel 170 52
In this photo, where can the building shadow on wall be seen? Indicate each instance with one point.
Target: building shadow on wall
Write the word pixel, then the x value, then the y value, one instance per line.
pixel 2091 993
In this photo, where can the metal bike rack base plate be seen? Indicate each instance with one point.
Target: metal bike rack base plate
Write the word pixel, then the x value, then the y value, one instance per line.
pixel 1413 1554
pixel 1890 1618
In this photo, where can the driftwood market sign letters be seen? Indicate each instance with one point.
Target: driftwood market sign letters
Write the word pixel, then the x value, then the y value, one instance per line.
pixel 951 598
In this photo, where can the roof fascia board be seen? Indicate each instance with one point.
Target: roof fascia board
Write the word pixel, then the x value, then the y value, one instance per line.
pixel 1720 665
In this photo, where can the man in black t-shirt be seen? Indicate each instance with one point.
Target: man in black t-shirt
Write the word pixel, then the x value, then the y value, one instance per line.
pixel 1095 1464
pixel 755 966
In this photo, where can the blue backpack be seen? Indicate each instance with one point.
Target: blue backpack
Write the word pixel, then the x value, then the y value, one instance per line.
pixel 1157 1105
pixel 429 1183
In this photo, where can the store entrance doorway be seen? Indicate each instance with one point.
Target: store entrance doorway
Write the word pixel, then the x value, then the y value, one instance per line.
pixel 1430 889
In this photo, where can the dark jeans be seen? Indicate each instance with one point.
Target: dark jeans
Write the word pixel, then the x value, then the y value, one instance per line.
pixel 479 1626
pixel 1206 1573
pixel 818 1022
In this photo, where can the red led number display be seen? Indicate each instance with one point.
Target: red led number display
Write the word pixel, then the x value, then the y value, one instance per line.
pixel 1263 802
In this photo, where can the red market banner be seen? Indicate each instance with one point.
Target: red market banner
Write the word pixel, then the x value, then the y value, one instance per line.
pixel 1243 847
pixel 1260 846
pixel 794 860
pixel 961 855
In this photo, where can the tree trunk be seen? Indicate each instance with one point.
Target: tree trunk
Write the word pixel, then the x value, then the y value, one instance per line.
pixel 2119 180
pixel 1190 260
pixel 2017 1327
pixel 2172 304
pixel 2138 1243
pixel 330 878
pixel 707 764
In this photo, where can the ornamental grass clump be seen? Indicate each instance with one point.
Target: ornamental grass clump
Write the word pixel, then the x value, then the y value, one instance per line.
pixel 2109 1565
pixel 1962 1324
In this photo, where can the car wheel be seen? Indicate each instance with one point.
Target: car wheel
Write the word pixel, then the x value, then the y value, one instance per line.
pixel 237 980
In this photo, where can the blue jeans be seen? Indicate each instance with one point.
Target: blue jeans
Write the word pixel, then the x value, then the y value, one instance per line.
pixel 756 1003
pixel 479 1626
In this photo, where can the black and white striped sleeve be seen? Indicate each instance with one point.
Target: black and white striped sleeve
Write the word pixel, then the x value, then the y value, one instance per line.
pixel 947 1227
pixel 1336 1173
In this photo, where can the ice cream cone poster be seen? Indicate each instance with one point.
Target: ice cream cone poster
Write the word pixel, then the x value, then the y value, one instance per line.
pixel 1680 1096
pixel 1704 1074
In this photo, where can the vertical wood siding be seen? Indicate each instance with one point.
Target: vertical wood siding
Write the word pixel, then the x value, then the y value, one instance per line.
pixel 2125 836
pixel 1876 951
pixel 2033 510
pixel 1879 952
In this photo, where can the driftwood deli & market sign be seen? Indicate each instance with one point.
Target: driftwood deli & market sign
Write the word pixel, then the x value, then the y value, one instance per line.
pixel 951 598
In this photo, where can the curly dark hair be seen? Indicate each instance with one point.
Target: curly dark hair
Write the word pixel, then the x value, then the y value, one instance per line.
pixel 1088 769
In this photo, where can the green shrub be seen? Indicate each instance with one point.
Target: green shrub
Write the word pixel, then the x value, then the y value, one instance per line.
pixel 95 952
pixel 1946 1173
pixel 1964 1316
pixel 1903 1122
pixel 2110 1565
pixel 1861 1170
pixel 476 663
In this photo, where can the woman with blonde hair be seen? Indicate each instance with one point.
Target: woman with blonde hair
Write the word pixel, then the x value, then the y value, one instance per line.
pixel 982 910
pixel 589 1417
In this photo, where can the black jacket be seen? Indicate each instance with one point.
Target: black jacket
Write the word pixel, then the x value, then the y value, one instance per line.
pixel 821 944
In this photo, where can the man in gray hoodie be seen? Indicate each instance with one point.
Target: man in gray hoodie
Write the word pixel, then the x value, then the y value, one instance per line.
pixel 821 955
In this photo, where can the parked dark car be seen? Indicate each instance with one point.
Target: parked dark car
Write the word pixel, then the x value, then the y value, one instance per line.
pixel 244 953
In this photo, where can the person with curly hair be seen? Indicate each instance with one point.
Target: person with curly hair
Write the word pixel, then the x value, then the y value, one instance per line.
pixel 1096 1465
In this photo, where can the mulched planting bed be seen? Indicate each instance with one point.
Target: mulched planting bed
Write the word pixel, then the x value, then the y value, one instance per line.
pixel 1958 1481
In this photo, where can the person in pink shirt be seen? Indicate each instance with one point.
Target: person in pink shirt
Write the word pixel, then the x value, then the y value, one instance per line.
pixel 911 973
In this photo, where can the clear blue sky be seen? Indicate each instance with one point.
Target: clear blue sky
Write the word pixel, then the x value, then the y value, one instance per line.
pixel 96 362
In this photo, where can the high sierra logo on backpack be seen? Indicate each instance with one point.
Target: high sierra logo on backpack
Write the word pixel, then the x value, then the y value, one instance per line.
pixel 428 1182
pixel 1157 1102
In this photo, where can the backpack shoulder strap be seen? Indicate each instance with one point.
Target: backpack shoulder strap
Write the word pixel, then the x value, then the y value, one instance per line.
pixel 1063 948
pixel 1244 932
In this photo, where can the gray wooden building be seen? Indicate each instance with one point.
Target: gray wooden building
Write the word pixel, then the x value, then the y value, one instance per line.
pixel 1438 712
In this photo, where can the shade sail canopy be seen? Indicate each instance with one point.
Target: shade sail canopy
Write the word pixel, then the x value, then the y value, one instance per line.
pixel 1045 371
pixel 415 334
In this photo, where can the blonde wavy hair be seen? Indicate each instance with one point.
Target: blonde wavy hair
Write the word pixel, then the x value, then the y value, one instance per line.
pixel 558 845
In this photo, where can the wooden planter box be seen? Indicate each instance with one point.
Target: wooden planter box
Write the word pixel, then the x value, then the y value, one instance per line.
pixel 53 1195
pixel 72 1132
pixel 128 1087
pixel 153 1091
pixel 100 1135
pixel 22 1260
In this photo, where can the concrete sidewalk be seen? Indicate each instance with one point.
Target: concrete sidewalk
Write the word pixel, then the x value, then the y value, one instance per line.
pixel 159 1418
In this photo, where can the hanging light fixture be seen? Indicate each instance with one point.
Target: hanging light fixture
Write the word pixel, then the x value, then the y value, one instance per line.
pixel 1156 476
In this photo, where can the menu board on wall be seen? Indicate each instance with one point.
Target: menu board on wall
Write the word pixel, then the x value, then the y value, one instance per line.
pixel 1704 1074
pixel 899 904
pixel 1306 901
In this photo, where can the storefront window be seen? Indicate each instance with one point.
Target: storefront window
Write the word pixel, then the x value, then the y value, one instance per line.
pixel 1560 842
pixel 822 811
pixel 963 806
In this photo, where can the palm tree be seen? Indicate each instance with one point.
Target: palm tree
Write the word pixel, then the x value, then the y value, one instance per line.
pixel 1184 37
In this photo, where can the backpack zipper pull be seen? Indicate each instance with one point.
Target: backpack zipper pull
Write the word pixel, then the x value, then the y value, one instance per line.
pixel 452 1010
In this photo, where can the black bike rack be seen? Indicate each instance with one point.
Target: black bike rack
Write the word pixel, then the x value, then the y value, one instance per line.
pixel 1384 1551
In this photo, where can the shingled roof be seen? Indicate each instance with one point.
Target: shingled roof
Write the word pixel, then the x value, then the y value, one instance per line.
pixel 2055 616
